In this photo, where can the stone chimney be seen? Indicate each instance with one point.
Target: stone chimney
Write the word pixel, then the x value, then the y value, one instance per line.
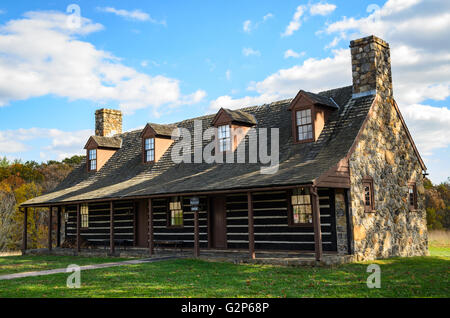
pixel 108 122
pixel 371 67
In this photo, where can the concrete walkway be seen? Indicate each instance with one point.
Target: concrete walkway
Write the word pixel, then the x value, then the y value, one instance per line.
pixel 86 267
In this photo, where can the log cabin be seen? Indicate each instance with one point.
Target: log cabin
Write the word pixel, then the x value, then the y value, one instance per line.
pixel 349 179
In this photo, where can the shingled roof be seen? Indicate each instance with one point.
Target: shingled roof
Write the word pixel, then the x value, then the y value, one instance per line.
pixel 124 175
pixel 240 116
pixel 162 130
pixel 321 99
pixel 106 142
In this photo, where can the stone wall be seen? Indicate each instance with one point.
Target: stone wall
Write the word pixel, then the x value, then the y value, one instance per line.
pixel 108 122
pixel 371 66
pixel 385 153
pixel 341 222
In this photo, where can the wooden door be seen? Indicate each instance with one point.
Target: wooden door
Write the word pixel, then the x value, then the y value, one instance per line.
pixel 142 224
pixel 218 222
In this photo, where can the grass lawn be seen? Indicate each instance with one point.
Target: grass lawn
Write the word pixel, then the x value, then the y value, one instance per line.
pixel 19 264
pixel 400 277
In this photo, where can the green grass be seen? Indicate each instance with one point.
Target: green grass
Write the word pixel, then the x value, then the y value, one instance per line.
pixel 400 277
pixel 439 243
pixel 19 264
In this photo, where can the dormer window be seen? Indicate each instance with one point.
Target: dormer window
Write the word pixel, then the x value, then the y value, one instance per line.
pixel 231 128
pixel 149 149
pixel 92 160
pixel 224 137
pixel 304 125
pixel 156 139
pixel 99 150
pixel 310 112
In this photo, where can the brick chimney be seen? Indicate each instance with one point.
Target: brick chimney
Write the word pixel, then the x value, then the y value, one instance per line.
pixel 371 67
pixel 108 122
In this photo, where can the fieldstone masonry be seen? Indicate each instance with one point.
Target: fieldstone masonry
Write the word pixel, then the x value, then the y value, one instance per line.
pixel 371 66
pixel 385 153
pixel 341 222
pixel 108 122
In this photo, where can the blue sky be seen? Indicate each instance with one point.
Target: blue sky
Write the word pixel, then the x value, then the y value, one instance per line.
pixel 164 61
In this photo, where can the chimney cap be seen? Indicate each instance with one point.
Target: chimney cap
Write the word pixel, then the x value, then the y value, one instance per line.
pixel 108 111
pixel 368 39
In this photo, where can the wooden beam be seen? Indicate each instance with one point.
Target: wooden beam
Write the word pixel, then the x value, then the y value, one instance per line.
pixel 209 218
pixel 160 196
pixel 251 229
pixel 58 227
pixel 50 225
pixel 135 209
pixel 78 229
pixel 150 228
pixel 25 230
pixel 196 235
pixel 112 247
pixel 316 223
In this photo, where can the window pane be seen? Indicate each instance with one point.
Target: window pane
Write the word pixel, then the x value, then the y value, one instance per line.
pixel 224 138
pixel 367 195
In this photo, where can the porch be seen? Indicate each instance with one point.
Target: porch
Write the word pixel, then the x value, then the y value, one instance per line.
pixel 254 226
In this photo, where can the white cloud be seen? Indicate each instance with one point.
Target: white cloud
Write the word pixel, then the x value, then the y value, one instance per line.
pixel 267 16
pixel 62 65
pixel 314 75
pixel 247 51
pixel 228 102
pixel 418 35
pixel 137 15
pixel 429 125
pixel 295 23
pixel 61 144
pixel 228 75
pixel 248 26
pixel 291 53
pixel 321 8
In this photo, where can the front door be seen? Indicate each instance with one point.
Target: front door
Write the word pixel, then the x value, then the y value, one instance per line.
pixel 142 224
pixel 218 222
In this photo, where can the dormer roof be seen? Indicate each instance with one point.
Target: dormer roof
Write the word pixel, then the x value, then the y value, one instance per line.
pixel 104 142
pixel 158 130
pixel 314 99
pixel 235 117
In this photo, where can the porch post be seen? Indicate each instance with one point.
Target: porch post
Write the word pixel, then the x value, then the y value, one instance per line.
pixel 58 227
pixel 78 229
pixel 316 223
pixel 150 228
pixel 25 230
pixel 50 224
pixel 111 228
pixel 251 230
pixel 196 234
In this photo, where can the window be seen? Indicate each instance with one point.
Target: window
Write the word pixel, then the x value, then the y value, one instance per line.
pixel 301 206
pixel 93 160
pixel 304 125
pixel 176 212
pixel 84 216
pixel 368 195
pixel 412 196
pixel 149 149
pixel 224 138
